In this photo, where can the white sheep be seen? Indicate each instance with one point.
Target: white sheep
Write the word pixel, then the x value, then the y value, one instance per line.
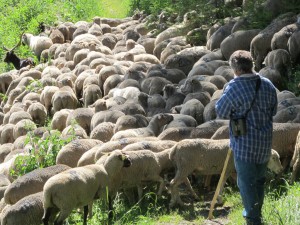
pixel 295 162
pixel 119 144
pixel 78 187
pixel 27 211
pixel 64 98
pixel 155 146
pixel 37 43
pixel 153 129
pixel 207 157
pixel 146 166
pixel 4 183
pixel 30 183
pixel 71 152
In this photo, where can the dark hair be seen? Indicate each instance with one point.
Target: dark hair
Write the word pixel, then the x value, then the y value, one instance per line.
pixel 241 61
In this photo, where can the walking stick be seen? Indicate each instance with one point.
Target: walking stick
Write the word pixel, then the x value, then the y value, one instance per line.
pixel 220 185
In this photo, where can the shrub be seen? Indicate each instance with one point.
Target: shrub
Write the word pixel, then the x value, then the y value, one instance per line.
pixel 43 152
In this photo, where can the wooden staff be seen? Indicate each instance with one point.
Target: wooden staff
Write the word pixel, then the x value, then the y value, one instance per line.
pixel 220 185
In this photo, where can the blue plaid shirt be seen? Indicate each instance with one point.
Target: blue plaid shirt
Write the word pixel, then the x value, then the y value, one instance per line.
pixel 255 145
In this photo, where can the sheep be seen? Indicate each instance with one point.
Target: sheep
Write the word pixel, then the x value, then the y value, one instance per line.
pixel 288 115
pixel 280 60
pixel 261 43
pixel 153 104
pixel 103 131
pixel 153 128
pixel 88 157
pixel 27 211
pixel 64 98
pixel 118 144
pixel 288 102
pixel 74 131
pixel 293 47
pixel 5 80
pixel 155 146
pixel 295 162
pixel 146 166
pixel 38 113
pixel 154 85
pixel 206 68
pixel 23 127
pixel 192 108
pixel 30 183
pixel 105 116
pixel 5 149
pixel 181 120
pixel 71 152
pixel 283 141
pixel 130 107
pixel 128 93
pixel 280 38
pixel 59 119
pixel 130 121
pixel 207 157
pixel 36 43
pixel 82 117
pixel 7 134
pixel 172 74
pixel 57 36
pixel 239 40
pixel 274 76
pixel 173 96
pixel 219 35
pixel 226 72
pixel 4 183
pixel 111 82
pixel 78 187
pixel 205 130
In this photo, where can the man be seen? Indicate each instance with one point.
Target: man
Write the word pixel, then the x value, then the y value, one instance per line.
pixel 256 101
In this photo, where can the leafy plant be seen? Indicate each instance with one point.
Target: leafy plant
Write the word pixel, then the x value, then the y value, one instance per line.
pixel 43 152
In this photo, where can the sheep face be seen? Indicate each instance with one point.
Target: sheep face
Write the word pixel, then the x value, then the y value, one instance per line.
pixel 274 163
pixel 26 39
pixel 126 160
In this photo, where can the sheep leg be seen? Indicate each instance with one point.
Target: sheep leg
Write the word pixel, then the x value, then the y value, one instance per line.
pixel 62 216
pixel 295 173
pixel 207 182
pixel 191 190
pixel 162 185
pixel 47 214
pixel 85 213
pixel 175 198
pixel 90 213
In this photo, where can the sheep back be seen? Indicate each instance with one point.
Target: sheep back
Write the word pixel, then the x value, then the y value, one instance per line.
pixel 30 183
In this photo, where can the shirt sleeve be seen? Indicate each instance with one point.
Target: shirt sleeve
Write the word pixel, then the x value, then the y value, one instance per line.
pixel 223 105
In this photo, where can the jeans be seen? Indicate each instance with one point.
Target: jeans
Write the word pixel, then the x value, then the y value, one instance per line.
pixel 251 180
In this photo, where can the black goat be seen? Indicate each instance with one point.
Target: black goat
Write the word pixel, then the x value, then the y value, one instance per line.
pixel 18 63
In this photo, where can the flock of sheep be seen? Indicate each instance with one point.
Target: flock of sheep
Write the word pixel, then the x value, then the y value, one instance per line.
pixel 143 107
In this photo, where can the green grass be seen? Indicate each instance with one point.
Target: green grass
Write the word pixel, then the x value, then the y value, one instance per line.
pixel 280 208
